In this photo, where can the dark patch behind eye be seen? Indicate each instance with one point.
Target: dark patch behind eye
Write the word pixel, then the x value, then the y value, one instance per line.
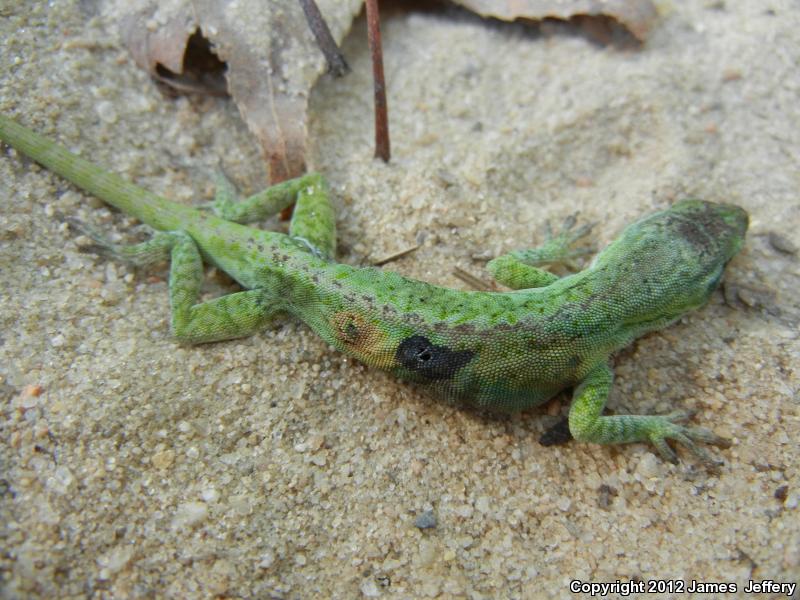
pixel 433 362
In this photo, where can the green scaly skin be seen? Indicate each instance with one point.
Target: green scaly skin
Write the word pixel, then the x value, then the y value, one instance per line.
pixel 500 351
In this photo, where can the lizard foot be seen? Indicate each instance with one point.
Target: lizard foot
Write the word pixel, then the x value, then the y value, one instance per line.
pixel 559 244
pixel 669 427
pixel 101 245
pixel 225 197
pixel 145 253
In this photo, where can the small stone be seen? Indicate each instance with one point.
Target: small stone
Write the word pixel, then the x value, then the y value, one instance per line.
pixel 747 297
pixel 781 493
pixel 427 552
pixel 298 389
pixel 32 390
pixel 116 559
pixel 370 589
pixel 61 480
pixel 267 560
pixel 426 520
pixel 729 75
pixel 648 467
pixel 107 112
pixel 605 494
pixel 210 495
pixel 781 243
pixel 241 504
pixel 432 587
pixel 230 458
pixel 189 513
pixel 163 459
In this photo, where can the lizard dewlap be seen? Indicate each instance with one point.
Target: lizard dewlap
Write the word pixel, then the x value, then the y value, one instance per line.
pixel 499 351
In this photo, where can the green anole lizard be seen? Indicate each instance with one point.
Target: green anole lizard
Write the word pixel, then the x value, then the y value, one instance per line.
pixel 502 351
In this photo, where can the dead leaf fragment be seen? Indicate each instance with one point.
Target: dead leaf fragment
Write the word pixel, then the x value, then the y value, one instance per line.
pixel 264 54
pixel 266 58
pixel 637 16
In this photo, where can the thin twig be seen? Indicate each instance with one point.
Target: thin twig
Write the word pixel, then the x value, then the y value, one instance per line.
pixel 472 281
pixel 382 147
pixel 337 65
pixel 394 256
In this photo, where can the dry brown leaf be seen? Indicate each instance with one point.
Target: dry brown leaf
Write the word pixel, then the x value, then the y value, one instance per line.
pixel 637 16
pixel 262 53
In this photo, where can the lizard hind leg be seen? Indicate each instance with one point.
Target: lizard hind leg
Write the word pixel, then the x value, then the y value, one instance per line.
pixel 587 424
pixel 230 316
pixel 520 269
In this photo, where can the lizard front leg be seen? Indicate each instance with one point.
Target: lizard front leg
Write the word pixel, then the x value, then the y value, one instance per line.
pixel 519 269
pixel 587 424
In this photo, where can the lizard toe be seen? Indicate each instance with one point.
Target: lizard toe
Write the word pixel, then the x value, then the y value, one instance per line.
pixel 679 416
pixel 664 450
pixel 701 434
pixel 688 437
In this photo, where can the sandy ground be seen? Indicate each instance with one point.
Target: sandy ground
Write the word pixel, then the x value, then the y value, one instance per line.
pixel 273 467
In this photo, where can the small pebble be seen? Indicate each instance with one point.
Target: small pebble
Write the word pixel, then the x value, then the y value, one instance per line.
pixel 426 520
pixel 370 589
pixel 189 513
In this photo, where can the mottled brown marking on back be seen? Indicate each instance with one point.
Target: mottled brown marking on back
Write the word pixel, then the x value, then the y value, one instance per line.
pixel 702 228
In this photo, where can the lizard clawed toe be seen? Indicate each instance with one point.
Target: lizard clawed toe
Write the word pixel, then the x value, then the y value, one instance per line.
pixel 102 246
pixel 687 437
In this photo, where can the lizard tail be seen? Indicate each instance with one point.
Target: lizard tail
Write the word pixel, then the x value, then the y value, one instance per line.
pixel 149 208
